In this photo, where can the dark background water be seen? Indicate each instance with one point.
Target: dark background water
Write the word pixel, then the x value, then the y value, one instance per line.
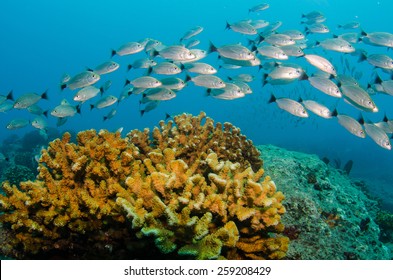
pixel 41 40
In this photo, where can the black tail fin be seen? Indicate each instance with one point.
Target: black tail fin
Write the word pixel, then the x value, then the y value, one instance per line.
pixel 188 78
pixel 228 26
pixel 10 96
pixel 129 66
pixel 167 116
pixel 45 113
pixel 44 95
pixel 63 86
pixel 127 82
pixel 113 53
pixel 335 112
pixel 272 99
pixel 91 107
pixel 149 70
pixel 78 109
pixel 363 33
pixel 362 57
pixel 212 48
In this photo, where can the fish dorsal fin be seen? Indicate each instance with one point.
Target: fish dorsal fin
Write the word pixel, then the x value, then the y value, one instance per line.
pixel 64 102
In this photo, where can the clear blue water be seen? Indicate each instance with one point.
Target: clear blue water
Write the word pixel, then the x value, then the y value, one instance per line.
pixel 41 40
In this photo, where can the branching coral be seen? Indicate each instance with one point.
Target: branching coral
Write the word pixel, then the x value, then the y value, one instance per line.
pixel 191 190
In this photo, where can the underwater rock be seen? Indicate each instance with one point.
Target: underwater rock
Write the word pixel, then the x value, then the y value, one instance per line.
pixel 328 215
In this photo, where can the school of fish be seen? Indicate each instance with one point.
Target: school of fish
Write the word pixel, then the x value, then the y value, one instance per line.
pixel 282 56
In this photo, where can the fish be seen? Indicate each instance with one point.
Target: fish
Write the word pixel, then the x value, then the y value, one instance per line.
pixel 358 97
pixel 176 53
pixel 105 68
pixel 294 34
pixel 317 28
pixel 387 86
pixel 28 99
pixel 291 106
pixel 378 135
pixel 158 94
pixel 125 93
pixel 208 81
pixel 110 115
pixel 384 39
pixel 191 33
pixel 39 123
pixel 81 80
pixel 105 86
pixel 234 51
pixel 173 83
pixel 192 43
pixel 242 27
pixel 37 110
pixel 149 107
pixel 277 40
pixel 17 123
pixel 378 60
pixel 229 92
pixel 346 80
pixel 325 85
pixel 247 78
pixel 65 78
pixel 128 48
pixel 235 64
pixel 104 102
pixel 336 44
pixel 86 93
pixel 6 106
pixel 244 87
pixel 165 68
pixel 321 63
pixel 144 82
pixel 65 109
pixel 272 52
pixel 351 124
pixel 152 44
pixel 200 68
pixel 3 157
pixel 292 50
pixel 9 96
pixel 351 37
pixel 284 73
pixel 141 63
pixel 258 23
pixel 259 7
pixel 317 108
pixel 349 25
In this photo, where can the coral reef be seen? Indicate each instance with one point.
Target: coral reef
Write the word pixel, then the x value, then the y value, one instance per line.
pixel 191 190
pixel 16 173
pixel 328 215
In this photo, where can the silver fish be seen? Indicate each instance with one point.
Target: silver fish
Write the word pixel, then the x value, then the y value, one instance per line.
pixel 6 106
pixel 351 37
pixel 317 28
pixel 321 63
pixel 278 40
pixel 65 109
pixel 173 83
pixel 258 8
pixel 128 48
pixel 176 53
pixel 208 81
pixel 106 67
pixel 378 60
pixel 242 27
pixel 110 115
pixel 384 39
pixel 291 106
pixel 229 92
pixel 235 52
pixel 272 52
pixel 243 86
pixel 337 44
pixel 165 68
pixel 352 125
pixel 292 50
pixel 37 110
pixel 158 94
pixel 192 43
pixel 17 123
pixel 200 68
pixel 285 73
pixel 317 108
pixel 191 33
pixel 142 63
pixel 28 99
pixel 359 98
pixel 104 102
pixel 39 123
pixel 378 135
pixel 294 34
pixel 347 80
pixel 247 78
pixel 86 93
pixel 259 23
pixel 325 85
pixel 81 80
pixel 144 82
pixel 349 25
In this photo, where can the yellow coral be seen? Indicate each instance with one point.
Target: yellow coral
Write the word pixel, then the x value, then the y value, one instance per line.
pixel 195 189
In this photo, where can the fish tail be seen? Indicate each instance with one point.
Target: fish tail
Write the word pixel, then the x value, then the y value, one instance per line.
pixel 44 95
pixel 78 108
pixel 149 70
pixel 335 112
pixel 63 86
pixel 363 33
pixel 113 53
pixel 142 112
pixel 129 66
pixel 188 78
pixel 10 95
pixel 167 116
pixel 362 57
pixel 105 118
pixel 228 26
pixel 272 99
pixel 127 82
pixel 45 113
pixel 212 48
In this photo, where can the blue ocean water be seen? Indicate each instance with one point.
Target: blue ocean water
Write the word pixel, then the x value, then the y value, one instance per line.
pixel 41 40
